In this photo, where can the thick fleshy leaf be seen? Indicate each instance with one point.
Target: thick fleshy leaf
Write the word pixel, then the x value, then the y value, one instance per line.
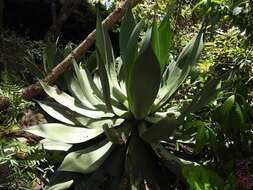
pixel 60 186
pixel 55 145
pixel 120 96
pixel 69 102
pixel 75 89
pixel 57 111
pixel 131 52
pixel 64 133
pixel 108 90
pixel 95 96
pixel 105 59
pixel 159 131
pixel 104 81
pixel 178 71
pixel 68 116
pixel 86 160
pixel 59 177
pixel 86 85
pixel 103 44
pixel 161 41
pixel 144 81
pixel 127 25
pixel 170 112
pixel 106 63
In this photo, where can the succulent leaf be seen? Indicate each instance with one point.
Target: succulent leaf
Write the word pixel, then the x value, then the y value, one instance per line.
pixel 60 186
pixel 127 25
pixel 87 86
pixel 131 53
pixel 69 102
pixel 86 160
pixel 179 70
pixel 144 81
pixel 104 81
pixel 161 40
pixel 122 103
pixel 70 117
pixel 55 145
pixel 64 133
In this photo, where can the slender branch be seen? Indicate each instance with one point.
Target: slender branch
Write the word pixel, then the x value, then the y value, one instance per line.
pixel 35 89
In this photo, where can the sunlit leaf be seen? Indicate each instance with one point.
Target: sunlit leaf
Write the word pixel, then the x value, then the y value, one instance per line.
pixel 69 102
pixel 144 81
pixel 161 41
pixel 64 133
pixel 60 186
pixel 179 70
pixel 86 160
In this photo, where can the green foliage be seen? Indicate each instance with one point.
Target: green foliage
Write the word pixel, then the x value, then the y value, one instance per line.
pixel 200 178
pixel 10 86
pixel 223 137
pixel 24 163
pixel 233 13
pixel 14 49
pixel 51 56
pixel 225 52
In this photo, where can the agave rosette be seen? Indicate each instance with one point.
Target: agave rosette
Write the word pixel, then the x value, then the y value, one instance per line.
pixel 117 113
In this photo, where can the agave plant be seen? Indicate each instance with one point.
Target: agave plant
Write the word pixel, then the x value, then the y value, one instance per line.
pixel 114 122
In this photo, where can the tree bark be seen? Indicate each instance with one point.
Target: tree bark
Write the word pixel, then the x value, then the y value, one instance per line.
pixel 35 89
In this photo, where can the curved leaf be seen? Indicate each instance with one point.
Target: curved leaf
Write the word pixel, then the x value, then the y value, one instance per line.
pixel 75 89
pixel 60 186
pixel 104 81
pixel 55 145
pixel 86 86
pixel 86 160
pixel 64 133
pixel 161 40
pixel 179 70
pixel 129 57
pixel 144 81
pixel 127 25
pixel 69 102
pixel 70 117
